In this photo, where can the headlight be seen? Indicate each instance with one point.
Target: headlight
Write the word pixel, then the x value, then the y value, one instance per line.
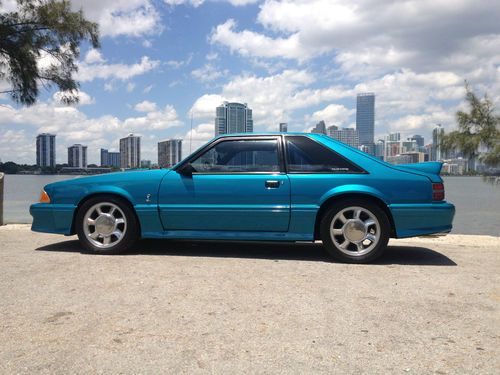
pixel 44 197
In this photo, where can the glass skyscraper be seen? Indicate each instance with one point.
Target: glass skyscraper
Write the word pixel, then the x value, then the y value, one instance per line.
pixel 77 156
pixel 365 119
pixel 233 118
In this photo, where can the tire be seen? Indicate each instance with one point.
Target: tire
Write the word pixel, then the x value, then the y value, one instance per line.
pixel 106 225
pixel 355 231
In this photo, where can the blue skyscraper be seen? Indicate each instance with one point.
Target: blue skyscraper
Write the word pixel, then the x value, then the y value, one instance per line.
pixel 365 119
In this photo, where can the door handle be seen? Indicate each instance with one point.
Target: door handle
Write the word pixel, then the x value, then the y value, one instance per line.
pixel 272 184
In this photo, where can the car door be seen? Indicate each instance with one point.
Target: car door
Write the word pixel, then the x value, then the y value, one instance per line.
pixel 235 184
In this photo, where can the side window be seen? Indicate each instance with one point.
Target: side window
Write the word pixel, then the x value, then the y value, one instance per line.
pixel 239 156
pixel 307 156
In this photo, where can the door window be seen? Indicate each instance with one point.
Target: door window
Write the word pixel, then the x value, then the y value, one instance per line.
pixel 239 156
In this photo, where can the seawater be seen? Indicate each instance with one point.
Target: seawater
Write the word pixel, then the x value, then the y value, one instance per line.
pixel 477 202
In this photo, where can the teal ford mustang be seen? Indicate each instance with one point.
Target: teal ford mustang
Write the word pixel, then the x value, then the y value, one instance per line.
pixel 263 187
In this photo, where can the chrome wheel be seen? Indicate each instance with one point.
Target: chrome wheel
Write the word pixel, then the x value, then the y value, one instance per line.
pixel 104 225
pixel 355 231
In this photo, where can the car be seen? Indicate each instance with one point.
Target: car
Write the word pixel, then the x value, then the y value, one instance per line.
pixel 255 187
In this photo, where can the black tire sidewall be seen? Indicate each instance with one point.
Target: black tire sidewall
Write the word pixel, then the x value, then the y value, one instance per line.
pixel 330 247
pixel 130 236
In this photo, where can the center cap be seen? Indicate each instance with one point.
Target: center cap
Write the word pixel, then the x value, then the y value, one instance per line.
pixel 105 224
pixel 355 230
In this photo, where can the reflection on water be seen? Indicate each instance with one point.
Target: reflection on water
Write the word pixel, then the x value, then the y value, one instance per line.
pixel 477 201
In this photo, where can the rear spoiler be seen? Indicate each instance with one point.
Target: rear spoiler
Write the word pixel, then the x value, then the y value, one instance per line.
pixel 431 167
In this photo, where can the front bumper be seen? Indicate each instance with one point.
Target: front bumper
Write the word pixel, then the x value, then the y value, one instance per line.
pixel 52 218
pixel 420 219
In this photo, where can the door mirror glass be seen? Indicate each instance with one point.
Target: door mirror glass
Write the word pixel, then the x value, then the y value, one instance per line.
pixel 186 170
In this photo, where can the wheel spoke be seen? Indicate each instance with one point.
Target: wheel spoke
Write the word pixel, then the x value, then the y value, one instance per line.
pixel 118 234
pixel 342 218
pixel 337 232
pixel 94 235
pixel 357 214
pixel 369 222
pixel 90 221
pixel 106 240
pixel 119 220
pixel 360 247
pixel 99 210
pixel 112 211
pixel 344 244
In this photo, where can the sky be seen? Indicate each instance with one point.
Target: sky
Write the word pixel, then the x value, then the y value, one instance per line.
pixel 165 62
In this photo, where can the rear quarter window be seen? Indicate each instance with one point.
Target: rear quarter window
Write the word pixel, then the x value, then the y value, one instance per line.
pixel 305 155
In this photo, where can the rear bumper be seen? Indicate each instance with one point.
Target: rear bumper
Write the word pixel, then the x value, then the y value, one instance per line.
pixel 420 219
pixel 52 218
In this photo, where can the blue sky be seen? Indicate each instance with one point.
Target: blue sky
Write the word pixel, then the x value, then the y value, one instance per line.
pixel 295 61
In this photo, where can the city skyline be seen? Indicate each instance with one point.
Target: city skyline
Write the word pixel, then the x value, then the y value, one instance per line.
pixel 164 63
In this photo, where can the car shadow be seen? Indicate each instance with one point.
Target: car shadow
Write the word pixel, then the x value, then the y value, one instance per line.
pixel 402 255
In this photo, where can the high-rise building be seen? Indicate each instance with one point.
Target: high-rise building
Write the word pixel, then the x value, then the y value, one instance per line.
pixel 320 128
pixel 437 135
pixel 348 136
pixel 110 159
pixel 169 152
pixel 130 151
pixel 283 127
pixel 46 150
pixel 419 139
pixel 77 156
pixel 380 149
pixel 365 119
pixel 233 118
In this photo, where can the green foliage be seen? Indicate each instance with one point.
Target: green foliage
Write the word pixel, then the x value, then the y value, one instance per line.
pixel 477 128
pixel 43 28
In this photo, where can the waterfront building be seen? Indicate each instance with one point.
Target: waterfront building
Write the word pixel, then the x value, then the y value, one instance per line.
pixel 437 135
pixel 283 127
pixel 365 119
pixel 145 163
pixel 380 149
pixel 320 128
pixel 419 139
pixel 110 159
pixel 169 152
pixel 233 118
pixel 348 136
pixel 46 150
pixel 77 156
pixel 130 151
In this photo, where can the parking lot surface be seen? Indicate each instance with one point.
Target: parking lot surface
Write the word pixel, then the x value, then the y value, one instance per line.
pixel 427 306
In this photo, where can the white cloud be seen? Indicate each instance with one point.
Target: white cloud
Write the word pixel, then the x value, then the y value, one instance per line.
pixel 370 36
pixel 130 87
pixel 122 17
pixel 83 98
pixel 93 56
pixel 176 64
pixel 145 106
pixel 192 140
pixel 89 72
pixel 147 89
pixel 332 114
pixel 204 106
pixel 208 73
pixel 147 43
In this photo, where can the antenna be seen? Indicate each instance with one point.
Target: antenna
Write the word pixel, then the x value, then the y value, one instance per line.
pixel 191 133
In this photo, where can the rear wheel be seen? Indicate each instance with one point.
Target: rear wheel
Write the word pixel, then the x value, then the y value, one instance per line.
pixel 106 225
pixel 355 231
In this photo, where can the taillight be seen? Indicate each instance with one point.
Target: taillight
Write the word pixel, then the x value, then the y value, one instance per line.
pixel 437 192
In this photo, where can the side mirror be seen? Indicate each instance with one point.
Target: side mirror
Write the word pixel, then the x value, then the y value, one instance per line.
pixel 186 170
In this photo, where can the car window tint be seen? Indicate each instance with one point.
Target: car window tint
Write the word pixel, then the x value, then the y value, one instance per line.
pixel 239 156
pixel 307 156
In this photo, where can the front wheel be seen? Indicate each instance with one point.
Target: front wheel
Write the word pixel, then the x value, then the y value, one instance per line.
pixel 355 231
pixel 106 225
